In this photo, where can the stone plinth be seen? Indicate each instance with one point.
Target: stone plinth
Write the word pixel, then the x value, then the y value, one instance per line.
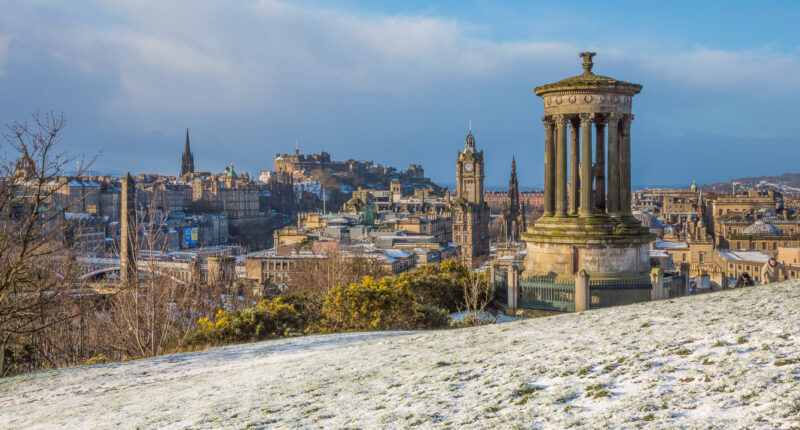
pixel 607 248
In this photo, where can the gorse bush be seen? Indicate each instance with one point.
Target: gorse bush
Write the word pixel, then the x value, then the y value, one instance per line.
pixel 387 304
pixel 270 318
pixel 438 286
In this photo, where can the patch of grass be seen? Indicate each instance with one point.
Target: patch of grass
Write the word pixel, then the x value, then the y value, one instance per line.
pixel 584 371
pixel 649 417
pixel 526 390
pixel 718 344
pixel 443 363
pixel 687 379
pixel 646 324
pixel 784 336
pixel 741 339
pixel 492 409
pixel 786 362
pixel 682 352
pixel 566 397
pixel 706 361
pixel 597 391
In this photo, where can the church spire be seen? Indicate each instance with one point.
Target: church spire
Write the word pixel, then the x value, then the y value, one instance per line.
pixel 187 161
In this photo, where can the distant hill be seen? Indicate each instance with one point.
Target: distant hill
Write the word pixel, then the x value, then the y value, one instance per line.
pixel 787 182
pixel 722 360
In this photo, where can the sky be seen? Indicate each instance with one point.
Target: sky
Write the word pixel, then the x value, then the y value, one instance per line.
pixel 398 82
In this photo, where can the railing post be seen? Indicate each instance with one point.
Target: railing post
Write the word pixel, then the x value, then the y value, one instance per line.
pixel 685 274
pixel 513 287
pixel 492 279
pixel 582 293
pixel 657 284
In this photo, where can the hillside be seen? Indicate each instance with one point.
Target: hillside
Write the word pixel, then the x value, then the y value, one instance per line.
pixel 787 182
pixel 729 359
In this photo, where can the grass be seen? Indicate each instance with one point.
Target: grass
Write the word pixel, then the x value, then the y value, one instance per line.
pixel 718 344
pixel 683 352
pixel 786 362
pixel 707 361
pixel 597 391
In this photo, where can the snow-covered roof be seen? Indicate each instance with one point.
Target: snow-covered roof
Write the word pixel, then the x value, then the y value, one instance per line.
pixel 660 244
pixel 753 256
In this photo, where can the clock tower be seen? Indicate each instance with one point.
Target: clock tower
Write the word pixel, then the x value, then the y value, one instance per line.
pixel 470 213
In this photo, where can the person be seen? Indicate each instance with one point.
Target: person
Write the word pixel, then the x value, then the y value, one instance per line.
pixel 773 271
pixel 744 281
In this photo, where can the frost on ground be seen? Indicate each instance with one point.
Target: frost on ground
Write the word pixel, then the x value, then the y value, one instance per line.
pixel 728 359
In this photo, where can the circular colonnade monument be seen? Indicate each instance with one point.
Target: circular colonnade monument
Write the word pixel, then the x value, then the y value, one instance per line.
pixel 587 222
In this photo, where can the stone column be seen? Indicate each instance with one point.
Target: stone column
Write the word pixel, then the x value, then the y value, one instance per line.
pixel 587 208
pixel 625 165
pixel 561 165
pixel 128 257
pixel 574 155
pixel 613 165
pixel 600 165
pixel 549 167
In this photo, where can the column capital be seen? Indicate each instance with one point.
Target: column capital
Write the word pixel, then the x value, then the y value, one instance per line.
pixel 548 121
pixel 559 119
pixel 626 119
pixel 587 119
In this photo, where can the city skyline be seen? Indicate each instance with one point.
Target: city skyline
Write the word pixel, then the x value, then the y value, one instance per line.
pixel 399 84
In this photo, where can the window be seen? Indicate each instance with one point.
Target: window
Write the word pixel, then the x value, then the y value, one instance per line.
pixel 683 257
pixel 701 257
pixel 763 245
pixel 738 245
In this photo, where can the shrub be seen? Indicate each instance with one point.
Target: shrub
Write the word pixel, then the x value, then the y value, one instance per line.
pixel 437 286
pixel 270 318
pixel 388 304
pixel 370 305
pixel 429 316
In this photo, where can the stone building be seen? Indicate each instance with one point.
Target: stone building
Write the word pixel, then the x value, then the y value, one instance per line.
pixel 469 212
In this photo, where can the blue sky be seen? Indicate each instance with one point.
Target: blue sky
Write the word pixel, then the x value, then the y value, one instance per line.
pixel 397 82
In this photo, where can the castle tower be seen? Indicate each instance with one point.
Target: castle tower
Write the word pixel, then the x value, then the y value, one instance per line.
pixel 469 212
pixel 187 161
pixel 586 228
pixel 128 231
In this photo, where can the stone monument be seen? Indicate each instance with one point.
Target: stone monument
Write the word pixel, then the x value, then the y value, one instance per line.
pixel 587 222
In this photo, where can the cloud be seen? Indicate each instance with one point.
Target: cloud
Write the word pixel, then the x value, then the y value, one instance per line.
pixel 264 69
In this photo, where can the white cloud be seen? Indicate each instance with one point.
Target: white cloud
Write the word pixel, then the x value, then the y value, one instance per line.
pixel 225 57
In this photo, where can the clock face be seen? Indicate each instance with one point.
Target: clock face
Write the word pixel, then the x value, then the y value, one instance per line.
pixel 468 167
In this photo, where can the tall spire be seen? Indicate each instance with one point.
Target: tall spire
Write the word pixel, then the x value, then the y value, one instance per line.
pixel 513 166
pixel 187 161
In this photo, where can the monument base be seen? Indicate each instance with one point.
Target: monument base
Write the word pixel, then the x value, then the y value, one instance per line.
pixel 606 247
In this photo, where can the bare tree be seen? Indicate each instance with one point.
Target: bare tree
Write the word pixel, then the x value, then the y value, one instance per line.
pixel 315 277
pixel 477 295
pixel 37 270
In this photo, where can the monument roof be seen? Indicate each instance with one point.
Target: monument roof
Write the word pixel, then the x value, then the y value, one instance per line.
pixel 589 81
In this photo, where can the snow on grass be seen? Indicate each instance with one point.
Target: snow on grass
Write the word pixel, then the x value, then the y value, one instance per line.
pixel 728 359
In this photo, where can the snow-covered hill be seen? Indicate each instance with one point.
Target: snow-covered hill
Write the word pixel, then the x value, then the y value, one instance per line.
pixel 729 359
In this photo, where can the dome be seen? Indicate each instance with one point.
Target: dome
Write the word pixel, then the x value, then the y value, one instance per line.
pixel 762 227
pixel 648 220
pixel 589 81
pixel 694 186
